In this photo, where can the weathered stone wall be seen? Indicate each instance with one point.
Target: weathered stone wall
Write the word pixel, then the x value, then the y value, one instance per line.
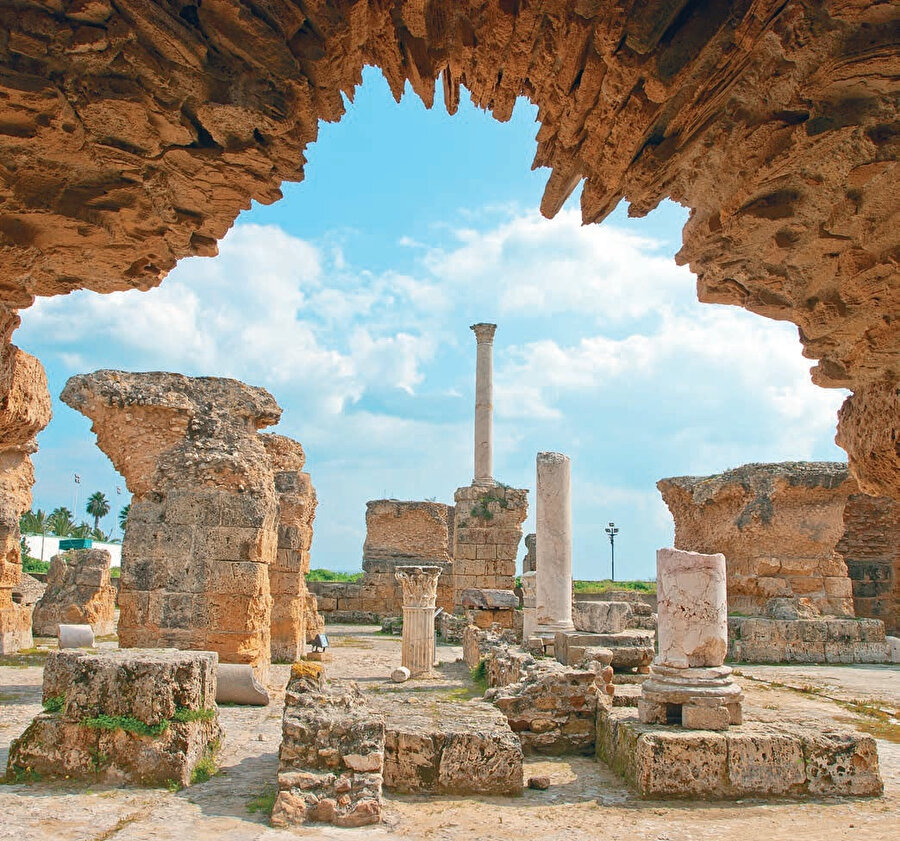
pixel 777 525
pixel 287 572
pixel 331 759
pixel 78 592
pixel 870 546
pixel 487 531
pixel 24 411
pixel 133 146
pixel 202 525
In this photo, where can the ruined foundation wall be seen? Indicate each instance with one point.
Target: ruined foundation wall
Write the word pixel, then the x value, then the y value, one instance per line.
pixel 870 546
pixel 777 525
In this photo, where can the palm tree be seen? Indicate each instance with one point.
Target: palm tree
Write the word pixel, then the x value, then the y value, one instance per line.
pixel 82 530
pixel 33 522
pixel 123 517
pixel 60 522
pixel 97 506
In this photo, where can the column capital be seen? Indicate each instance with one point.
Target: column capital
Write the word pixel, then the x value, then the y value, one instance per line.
pixel 484 333
pixel 419 584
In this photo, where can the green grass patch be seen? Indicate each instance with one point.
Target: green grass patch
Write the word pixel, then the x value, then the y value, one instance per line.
pixel 26 658
pixel 264 802
pixel 605 585
pixel 31 565
pixel 125 722
pixel 331 575
pixel 54 704
pixel 183 714
pixel 205 769
pixel 479 676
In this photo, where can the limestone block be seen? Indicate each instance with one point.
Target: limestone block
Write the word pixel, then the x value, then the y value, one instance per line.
pixel 142 717
pixel 486 598
pixel 75 636
pixel 78 592
pixel 601 617
pixel 235 684
pixel 450 748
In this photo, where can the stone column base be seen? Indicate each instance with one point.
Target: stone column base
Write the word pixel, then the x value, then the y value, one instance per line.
pixel 698 699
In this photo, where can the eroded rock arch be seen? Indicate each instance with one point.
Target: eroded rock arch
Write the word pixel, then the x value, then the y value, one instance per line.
pixel 134 132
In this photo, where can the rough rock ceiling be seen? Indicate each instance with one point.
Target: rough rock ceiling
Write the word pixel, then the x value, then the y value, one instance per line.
pixel 132 133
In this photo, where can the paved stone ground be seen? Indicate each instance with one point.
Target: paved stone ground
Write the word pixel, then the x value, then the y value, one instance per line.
pixel 585 800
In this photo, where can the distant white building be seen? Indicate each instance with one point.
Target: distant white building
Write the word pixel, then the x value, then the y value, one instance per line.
pixel 44 547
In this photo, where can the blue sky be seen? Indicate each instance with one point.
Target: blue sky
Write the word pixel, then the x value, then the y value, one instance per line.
pixel 350 300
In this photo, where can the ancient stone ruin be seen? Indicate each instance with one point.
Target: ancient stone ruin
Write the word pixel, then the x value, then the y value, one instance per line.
pixel 689 683
pixel 203 526
pixel 78 592
pixel 779 525
pixel 397 533
pixel 140 717
pixel 24 411
pixel 292 604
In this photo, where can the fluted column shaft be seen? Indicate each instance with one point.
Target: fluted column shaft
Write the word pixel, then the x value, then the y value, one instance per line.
pixel 419 585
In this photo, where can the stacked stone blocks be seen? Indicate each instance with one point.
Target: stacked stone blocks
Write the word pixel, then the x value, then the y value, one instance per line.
pixel 331 756
pixel 142 717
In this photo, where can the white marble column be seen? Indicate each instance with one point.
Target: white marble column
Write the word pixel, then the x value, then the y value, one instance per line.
pixel 553 545
pixel 484 404
pixel 419 585
pixel 689 684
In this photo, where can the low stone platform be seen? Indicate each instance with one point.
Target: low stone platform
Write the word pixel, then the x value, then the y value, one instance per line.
pixel 631 649
pixel 446 747
pixel 331 755
pixel 141 716
pixel 821 640
pixel 753 759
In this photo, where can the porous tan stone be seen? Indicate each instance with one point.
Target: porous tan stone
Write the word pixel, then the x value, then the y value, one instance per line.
pixel 95 701
pixel 24 411
pixel 287 572
pixel 772 123
pixel 778 526
pixel 202 529
pixel 78 592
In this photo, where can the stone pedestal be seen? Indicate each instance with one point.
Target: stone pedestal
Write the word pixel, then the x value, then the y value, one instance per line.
pixel 143 717
pixel 484 403
pixel 528 605
pixel 419 593
pixel 553 594
pixel 688 683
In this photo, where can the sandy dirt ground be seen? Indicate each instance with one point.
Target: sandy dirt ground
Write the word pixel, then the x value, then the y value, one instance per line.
pixel 585 800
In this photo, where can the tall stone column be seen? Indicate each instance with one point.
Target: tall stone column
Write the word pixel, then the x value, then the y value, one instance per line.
pixel 484 404
pixel 553 592
pixel 419 593
pixel 689 684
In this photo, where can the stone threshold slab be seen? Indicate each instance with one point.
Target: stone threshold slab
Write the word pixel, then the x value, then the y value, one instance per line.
pixel 754 759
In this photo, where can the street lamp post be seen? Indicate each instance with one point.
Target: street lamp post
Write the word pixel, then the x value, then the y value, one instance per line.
pixel 612 531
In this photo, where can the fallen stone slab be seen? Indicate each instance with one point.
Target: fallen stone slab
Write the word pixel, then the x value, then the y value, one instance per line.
pixel 753 759
pixel 236 684
pixel 824 640
pixel 75 636
pixel 630 649
pixel 445 747
pixel 489 599
pixel 138 716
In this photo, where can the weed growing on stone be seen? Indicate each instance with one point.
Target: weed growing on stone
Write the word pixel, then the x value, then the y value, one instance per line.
pixel 54 704
pixel 482 510
pixel 205 769
pixel 479 675
pixel 125 722
pixel 183 714
pixel 263 802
